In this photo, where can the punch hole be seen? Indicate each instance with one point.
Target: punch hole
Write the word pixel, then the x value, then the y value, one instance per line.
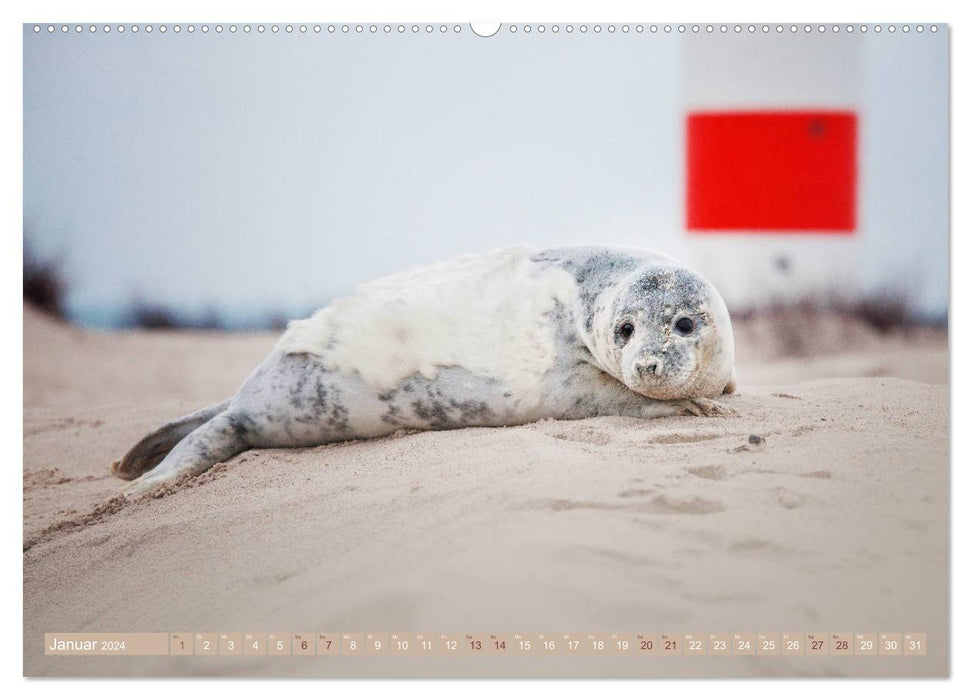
pixel 485 29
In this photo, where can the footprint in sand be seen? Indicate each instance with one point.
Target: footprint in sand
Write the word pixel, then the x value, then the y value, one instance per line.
pixel 62 424
pixel 585 435
pixel 676 438
pixel 662 504
pixel 54 477
pixel 712 471
pixel 762 548
pixel 788 499
pixel 632 493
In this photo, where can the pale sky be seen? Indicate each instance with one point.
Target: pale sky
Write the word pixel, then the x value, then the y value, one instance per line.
pixel 261 172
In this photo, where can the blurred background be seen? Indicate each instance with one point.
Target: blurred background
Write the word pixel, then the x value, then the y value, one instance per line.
pixel 235 180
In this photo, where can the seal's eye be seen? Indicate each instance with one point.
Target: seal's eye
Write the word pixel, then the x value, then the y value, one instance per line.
pixel 626 330
pixel 684 325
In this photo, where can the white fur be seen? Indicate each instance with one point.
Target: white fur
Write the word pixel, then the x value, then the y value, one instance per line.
pixel 484 313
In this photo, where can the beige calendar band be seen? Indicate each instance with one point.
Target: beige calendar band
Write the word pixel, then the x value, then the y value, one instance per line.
pixel 539 644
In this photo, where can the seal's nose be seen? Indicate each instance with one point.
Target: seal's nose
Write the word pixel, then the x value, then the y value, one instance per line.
pixel 649 368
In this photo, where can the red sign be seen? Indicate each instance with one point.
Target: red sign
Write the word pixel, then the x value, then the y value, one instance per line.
pixel 773 172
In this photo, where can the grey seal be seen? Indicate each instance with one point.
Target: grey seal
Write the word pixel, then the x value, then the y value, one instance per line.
pixel 501 338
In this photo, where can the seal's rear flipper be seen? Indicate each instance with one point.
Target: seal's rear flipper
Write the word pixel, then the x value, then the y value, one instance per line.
pixel 214 441
pixel 153 448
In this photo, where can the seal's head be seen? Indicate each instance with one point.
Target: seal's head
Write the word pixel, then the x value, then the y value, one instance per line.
pixel 664 331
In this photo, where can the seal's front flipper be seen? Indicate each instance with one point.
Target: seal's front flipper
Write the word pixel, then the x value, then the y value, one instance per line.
pixel 732 384
pixel 215 441
pixel 153 448
pixel 701 406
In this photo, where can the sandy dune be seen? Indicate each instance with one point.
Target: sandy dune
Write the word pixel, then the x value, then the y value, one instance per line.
pixel 838 524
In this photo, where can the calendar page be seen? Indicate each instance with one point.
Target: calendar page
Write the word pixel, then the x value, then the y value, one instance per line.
pixel 543 350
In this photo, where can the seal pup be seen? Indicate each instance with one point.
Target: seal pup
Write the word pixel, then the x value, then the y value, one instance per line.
pixel 501 338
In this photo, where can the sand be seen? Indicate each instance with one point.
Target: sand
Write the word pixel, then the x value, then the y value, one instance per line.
pixel 839 523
